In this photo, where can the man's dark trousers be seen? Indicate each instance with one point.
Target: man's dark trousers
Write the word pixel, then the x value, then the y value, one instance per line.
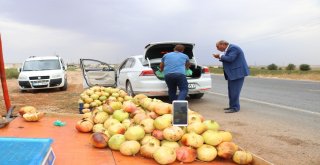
pixel 234 89
pixel 174 80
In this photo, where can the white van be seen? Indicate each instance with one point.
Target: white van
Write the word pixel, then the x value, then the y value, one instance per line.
pixel 43 73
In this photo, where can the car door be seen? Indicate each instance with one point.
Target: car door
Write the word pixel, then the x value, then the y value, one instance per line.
pixel 123 71
pixel 97 73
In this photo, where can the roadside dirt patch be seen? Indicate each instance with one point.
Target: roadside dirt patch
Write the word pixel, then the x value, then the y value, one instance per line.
pixel 49 100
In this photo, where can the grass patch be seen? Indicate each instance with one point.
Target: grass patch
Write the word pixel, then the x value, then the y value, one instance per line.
pixel 12 73
pixel 289 74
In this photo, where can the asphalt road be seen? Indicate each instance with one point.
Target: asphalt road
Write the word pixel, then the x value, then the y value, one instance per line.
pixel 279 119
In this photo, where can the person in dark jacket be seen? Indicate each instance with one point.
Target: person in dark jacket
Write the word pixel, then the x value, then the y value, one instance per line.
pixel 235 69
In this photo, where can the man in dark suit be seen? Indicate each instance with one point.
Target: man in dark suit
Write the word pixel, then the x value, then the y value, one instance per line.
pixel 235 69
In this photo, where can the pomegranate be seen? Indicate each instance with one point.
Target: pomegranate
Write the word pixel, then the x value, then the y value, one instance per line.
pixel 126 123
pixel 192 139
pixel 117 128
pixel 211 125
pixel 84 125
pixel 130 148
pixel 139 117
pixel 173 145
pixel 107 108
pixel 158 134
pixel 226 149
pixel 152 115
pixel 129 106
pixel 164 155
pixel 162 108
pixel 120 115
pixel 110 121
pixel 147 125
pixel 135 132
pixel 242 157
pixel 98 128
pixel 115 141
pixel 147 150
pixel 162 122
pixel 226 136
pixel 196 127
pixel 212 137
pixel 172 133
pixel 149 139
pixel 26 109
pixel 99 140
pixel 100 117
pixel 206 153
pixel 186 154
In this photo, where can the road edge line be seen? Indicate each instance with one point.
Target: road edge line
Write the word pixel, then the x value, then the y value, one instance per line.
pixel 271 104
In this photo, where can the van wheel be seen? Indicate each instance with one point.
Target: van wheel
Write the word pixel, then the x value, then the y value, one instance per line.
pixel 129 89
pixel 65 86
pixel 196 96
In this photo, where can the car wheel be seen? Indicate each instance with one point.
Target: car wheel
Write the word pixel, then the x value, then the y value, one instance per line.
pixel 196 96
pixel 65 86
pixel 129 89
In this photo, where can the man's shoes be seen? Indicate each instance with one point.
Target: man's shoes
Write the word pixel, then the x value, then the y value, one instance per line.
pixel 226 108
pixel 231 110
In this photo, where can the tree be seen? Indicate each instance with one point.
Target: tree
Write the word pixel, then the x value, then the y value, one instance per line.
pixel 272 67
pixel 291 67
pixel 304 67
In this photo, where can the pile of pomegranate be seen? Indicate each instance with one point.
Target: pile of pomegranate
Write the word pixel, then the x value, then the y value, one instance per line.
pixel 143 125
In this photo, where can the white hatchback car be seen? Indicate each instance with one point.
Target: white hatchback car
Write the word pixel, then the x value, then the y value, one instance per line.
pixel 136 74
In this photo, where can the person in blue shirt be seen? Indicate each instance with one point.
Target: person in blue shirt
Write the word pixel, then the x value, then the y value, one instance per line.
pixel 174 65
pixel 235 69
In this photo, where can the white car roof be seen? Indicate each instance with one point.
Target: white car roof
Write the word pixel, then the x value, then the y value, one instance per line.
pixel 34 58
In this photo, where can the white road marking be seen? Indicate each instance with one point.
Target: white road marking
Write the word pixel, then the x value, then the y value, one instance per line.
pixel 271 104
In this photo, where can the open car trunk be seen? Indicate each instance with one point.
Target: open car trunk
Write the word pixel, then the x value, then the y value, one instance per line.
pixel 155 51
pixel 196 70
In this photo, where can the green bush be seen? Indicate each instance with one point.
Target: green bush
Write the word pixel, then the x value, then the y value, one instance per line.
pixel 12 73
pixel 272 67
pixel 304 67
pixel 291 67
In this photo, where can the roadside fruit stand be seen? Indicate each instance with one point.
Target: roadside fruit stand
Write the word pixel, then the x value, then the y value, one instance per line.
pixel 115 128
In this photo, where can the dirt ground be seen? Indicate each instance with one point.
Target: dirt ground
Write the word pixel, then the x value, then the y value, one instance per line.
pixel 52 100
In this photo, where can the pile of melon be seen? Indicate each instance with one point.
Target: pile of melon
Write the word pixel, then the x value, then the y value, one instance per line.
pixel 142 126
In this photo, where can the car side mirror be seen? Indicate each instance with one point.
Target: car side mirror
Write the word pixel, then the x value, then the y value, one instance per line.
pixel 19 69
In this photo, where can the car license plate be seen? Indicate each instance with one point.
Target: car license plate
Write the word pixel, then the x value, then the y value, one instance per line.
pixel 38 83
pixel 191 86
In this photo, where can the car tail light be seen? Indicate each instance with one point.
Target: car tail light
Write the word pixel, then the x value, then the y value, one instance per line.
pixel 147 73
pixel 205 70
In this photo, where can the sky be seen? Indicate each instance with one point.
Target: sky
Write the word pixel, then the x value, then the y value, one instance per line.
pixel 268 31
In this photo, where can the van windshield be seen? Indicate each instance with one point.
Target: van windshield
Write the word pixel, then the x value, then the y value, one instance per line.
pixel 38 65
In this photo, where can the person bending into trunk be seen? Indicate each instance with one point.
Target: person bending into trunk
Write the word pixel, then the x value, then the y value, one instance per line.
pixel 174 65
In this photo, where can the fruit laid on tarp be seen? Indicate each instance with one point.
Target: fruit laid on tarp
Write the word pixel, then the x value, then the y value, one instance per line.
pixel 84 125
pixel 165 155
pixel 147 150
pixel 242 157
pixel 206 153
pixel 33 116
pixel 226 149
pixel 186 154
pixel 27 109
pixel 99 140
pixel 130 148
